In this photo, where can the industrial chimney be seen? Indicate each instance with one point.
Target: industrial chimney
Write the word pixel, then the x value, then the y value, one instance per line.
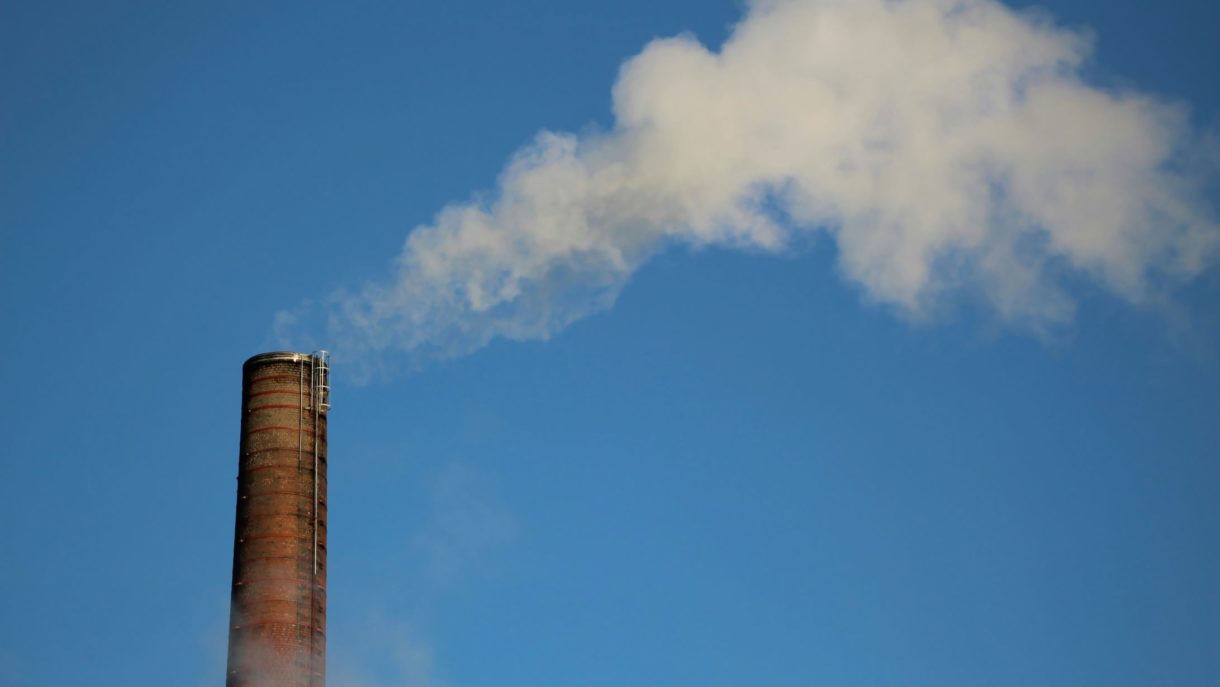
pixel 277 622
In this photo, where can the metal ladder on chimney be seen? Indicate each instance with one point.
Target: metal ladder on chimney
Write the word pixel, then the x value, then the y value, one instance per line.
pixel 319 403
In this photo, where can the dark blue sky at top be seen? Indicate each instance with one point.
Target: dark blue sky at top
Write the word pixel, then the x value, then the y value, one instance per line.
pixel 741 474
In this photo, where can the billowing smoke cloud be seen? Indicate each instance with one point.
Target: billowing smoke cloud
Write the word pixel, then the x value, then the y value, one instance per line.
pixel 950 148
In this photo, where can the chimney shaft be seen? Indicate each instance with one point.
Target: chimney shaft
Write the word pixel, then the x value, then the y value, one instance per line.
pixel 277 624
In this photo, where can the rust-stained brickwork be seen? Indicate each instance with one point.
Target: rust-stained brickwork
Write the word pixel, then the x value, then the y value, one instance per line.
pixel 277 628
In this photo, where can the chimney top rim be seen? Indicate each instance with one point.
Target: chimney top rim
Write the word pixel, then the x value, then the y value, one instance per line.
pixel 279 357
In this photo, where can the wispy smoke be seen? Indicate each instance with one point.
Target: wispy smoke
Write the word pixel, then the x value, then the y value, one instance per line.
pixel 950 148
pixel 392 655
pixel 467 523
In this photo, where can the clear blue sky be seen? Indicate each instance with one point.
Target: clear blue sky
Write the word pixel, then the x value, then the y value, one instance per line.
pixel 742 474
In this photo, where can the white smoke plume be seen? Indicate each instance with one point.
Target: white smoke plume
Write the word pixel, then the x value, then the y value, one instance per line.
pixel 950 148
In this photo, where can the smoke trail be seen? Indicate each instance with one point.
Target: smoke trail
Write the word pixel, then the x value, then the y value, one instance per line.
pixel 949 148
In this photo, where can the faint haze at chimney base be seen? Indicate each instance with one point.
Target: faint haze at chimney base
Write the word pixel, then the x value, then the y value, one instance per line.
pixel 951 150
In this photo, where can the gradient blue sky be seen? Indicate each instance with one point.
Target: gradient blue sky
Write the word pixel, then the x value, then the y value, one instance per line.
pixel 743 474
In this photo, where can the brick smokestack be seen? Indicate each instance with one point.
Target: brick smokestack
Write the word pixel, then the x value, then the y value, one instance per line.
pixel 277 624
